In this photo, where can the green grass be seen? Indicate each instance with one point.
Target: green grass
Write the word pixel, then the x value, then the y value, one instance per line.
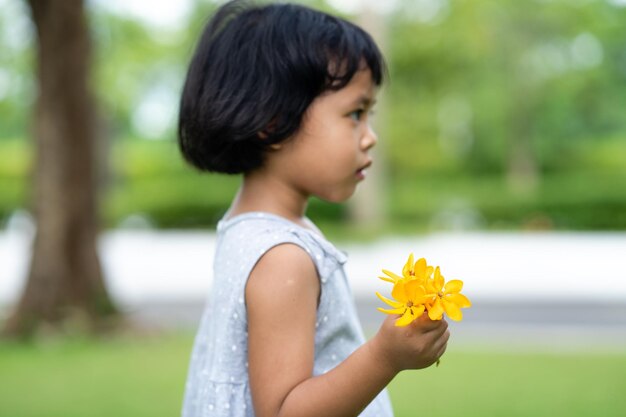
pixel 145 376
pixel 124 377
pixel 500 384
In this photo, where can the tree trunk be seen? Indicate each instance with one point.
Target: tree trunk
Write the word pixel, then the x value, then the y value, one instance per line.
pixel 65 280
pixel 522 170
pixel 367 206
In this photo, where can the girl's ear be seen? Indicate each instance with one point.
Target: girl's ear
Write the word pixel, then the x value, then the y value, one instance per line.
pixel 264 134
pixel 274 146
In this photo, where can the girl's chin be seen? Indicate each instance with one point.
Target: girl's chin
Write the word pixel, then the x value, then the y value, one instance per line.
pixel 339 197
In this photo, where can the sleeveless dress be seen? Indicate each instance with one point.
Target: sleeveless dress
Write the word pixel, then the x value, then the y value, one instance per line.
pixel 217 383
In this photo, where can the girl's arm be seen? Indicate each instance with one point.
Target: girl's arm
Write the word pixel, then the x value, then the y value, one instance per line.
pixel 282 296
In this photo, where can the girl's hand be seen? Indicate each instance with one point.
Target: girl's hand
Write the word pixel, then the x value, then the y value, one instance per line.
pixel 416 346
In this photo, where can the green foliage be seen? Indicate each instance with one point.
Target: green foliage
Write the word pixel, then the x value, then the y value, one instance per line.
pixel 482 77
pixel 577 200
pixel 504 114
pixel 149 178
pixel 17 84
pixel 15 162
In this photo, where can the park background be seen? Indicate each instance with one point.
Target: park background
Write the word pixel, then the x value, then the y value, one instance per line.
pixel 501 157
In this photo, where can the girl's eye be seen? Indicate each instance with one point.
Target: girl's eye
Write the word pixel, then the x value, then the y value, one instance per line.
pixel 356 115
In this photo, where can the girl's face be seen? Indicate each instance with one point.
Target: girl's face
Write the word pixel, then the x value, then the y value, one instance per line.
pixel 328 156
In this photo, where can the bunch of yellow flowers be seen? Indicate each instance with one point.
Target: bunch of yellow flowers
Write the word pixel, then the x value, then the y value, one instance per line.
pixel 422 288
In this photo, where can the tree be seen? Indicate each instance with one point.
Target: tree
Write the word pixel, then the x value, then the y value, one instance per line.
pixel 65 279
pixel 367 207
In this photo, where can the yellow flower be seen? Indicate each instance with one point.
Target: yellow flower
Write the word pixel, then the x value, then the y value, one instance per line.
pixel 418 270
pixel 445 297
pixel 410 297
pixel 391 277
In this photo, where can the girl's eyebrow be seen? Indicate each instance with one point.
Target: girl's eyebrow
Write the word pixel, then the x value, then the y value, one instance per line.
pixel 364 101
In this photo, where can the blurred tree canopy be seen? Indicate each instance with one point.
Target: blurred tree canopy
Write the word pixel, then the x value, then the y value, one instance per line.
pixel 499 114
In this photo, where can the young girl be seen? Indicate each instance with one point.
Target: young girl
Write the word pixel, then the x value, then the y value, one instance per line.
pixel 282 95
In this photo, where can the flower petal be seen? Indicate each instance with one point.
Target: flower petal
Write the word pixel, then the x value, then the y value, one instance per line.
pixel 391 275
pixel 408 266
pixel 429 286
pixel 459 299
pixel 454 285
pixel 418 310
pixel 406 318
pixel 429 298
pixel 414 291
pixel 392 303
pixel 388 279
pixel 452 310
pixel 435 310
pixel 429 271
pixel 400 310
pixel 420 267
pixel 438 281
pixel 398 292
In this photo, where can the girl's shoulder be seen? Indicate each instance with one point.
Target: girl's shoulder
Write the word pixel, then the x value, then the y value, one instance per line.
pixel 253 234
pixel 255 220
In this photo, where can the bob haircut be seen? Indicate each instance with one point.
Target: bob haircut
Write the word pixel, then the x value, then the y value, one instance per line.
pixel 255 71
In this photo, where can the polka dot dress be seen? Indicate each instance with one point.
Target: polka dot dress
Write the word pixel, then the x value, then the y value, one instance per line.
pixel 217 383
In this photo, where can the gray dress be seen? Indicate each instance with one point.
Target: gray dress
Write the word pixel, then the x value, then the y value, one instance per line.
pixel 217 383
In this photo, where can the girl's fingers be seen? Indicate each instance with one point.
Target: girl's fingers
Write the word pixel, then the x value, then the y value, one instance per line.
pixel 442 350
pixel 439 327
pixel 425 324
pixel 441 341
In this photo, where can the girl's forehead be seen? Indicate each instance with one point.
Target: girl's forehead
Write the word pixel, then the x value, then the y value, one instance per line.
pixel 361 90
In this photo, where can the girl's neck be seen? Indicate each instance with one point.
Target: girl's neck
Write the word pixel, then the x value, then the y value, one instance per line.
pixel 261 192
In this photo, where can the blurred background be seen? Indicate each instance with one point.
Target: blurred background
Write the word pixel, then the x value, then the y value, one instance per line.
pixel 501 157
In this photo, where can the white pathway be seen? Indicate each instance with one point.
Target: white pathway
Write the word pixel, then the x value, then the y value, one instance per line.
pixel 147 266
pixel 556 292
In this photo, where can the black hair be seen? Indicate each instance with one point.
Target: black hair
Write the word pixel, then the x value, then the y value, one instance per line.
pixel 255 71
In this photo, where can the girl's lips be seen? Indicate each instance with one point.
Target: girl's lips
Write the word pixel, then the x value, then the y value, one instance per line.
pixel 362 172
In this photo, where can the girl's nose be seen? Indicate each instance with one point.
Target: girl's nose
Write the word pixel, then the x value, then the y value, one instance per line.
pixel 369 138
